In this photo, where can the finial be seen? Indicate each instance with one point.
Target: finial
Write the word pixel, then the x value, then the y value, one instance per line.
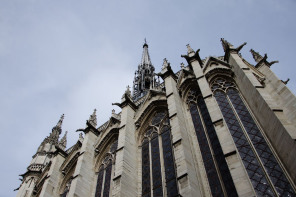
pixel 128 92
pixel 93 118
pixel 226 45
pixel 189 49
pixel 145 43
pixel 182 65
pixel 113 111
pixel 257 57
pixel 59 124
pixel 165 64
pixel 57 130
pixel 81 137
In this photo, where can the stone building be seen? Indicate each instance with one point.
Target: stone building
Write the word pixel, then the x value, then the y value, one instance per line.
pixel 218 127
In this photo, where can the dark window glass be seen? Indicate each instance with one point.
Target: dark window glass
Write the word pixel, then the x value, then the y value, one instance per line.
pixel 169 164
pixel 151 141
pixel 107 180
pixel 210 168
pixel 251 163
pixel 145 168
pixel 218 153
pixel 100 182
pixel 276 174
pixel 156 168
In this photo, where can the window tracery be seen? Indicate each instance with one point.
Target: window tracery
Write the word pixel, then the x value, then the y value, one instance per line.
pixel 158 165
pixel 265 173
pixel 105 172
pixel 217 171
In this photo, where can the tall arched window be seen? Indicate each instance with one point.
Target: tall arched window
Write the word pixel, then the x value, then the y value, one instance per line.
pixel 219 178
pixel 158 165
pixel 105 172
pixel 265 173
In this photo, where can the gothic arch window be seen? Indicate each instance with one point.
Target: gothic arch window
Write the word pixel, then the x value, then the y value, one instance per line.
pixel 264 170
pixel 158 164
pixel 105 172
pixel 218 174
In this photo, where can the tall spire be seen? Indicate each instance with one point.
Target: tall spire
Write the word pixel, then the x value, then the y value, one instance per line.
pixel 145 56
pixel 144 76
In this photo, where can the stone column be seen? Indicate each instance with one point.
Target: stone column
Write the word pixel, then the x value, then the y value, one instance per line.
pixel 84 173
pixel 235 165
pixel 51 185
pixel 125 173
pixel 186 174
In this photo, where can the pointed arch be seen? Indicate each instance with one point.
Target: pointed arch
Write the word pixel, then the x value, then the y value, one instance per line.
pixel 217 171
pixel 105 163
pixel 158 163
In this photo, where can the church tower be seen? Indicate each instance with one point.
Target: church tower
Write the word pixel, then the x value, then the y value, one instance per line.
pixel 219 126
pixel 144 77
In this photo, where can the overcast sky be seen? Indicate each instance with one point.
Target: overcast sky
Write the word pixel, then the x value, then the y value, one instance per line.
pixel 71 56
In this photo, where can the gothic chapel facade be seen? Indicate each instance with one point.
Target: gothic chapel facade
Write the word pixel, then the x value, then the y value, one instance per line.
pixel 218 127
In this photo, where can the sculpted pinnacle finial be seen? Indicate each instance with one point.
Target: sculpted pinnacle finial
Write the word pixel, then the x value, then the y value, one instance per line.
pixel 165 64
pixel 93 118
pixel 189 49
pixel 59 124
pixel 128 92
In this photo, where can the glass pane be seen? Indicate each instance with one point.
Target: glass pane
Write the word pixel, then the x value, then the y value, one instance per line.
pixel 107 180
pixel 99 183
pixel 254 170
pixel 270 163
pixel 209 165
pixel 145 170
pixel 169 163
pixel 156 168
pixel 218 153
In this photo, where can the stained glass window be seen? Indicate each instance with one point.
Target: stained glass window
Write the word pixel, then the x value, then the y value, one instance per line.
pixel 105 172
pixel 264 171
pixel 158 132
pixel 207 139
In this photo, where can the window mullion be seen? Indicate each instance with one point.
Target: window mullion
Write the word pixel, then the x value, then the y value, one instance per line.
pixel 162 165
pixel 251 144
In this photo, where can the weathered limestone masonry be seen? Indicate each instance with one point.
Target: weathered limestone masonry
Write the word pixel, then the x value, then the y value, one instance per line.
pixel 125 175
pixel 218 127
pixel 84 171
pixel 187 179
pixel 51 185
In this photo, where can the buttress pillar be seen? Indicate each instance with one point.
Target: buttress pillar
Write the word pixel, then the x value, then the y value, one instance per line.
pixel 186 175
pixel 125 174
